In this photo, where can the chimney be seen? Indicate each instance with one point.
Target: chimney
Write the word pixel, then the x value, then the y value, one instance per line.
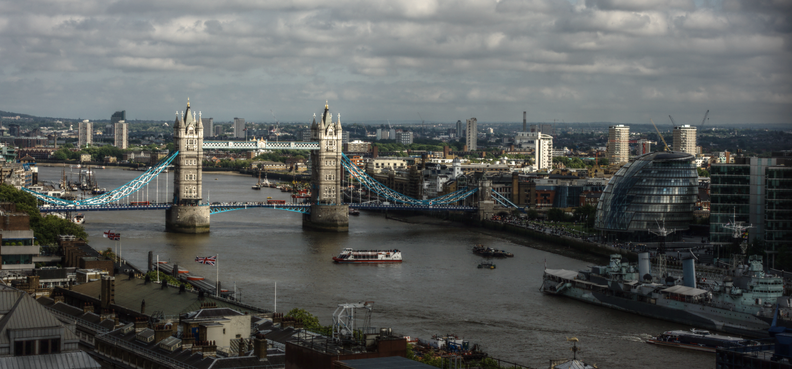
pixel 446 151
pixel 162 331
pixel 197 346
pixel 374 152
pixel 175 271
pixel 140 324
pixel 58 297
pixel 277 317
pixel 188 339
pixel 107 291
pixel 210 349
pixel 524 121
pixel 260 346
pixel 143 306
pixel 88 307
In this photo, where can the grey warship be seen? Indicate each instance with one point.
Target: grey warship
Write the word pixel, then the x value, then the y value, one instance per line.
pixel 742 302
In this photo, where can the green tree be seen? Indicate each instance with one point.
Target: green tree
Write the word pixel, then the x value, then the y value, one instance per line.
pixel 703 172
pixel 45 229
pixel 532 214
pixel 556 215
pixel 309 321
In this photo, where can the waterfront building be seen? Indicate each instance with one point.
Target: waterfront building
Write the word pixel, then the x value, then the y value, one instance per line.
pixel 685 139
pixel 460 130
pixel 239 127
pixel 618 144
pixel 17 175
pixel 118 117
pixel 404 138
pixel 436 175
pixel 653 189
pixel 757 192
pixel 471 134
pixel 85 134
pixel 121 133
pixel 208 124
pixel 18 246
pixel 376 165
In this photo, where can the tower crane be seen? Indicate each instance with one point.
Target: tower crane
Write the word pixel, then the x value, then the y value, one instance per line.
pixel 672 121
pixel 277 126
pixel 661 136
pixel 701 126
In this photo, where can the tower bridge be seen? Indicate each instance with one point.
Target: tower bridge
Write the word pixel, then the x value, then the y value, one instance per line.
pixel 326 211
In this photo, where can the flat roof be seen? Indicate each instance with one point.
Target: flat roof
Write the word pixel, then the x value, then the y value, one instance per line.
pixel 684 290
pixel 391 362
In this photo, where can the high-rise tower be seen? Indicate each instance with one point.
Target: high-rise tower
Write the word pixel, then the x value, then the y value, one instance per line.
pixel 618 144
pixel 685 139
pixel 85 134
pixel 185 216
pixel 327 211
pixel 121 135
pixel 471 135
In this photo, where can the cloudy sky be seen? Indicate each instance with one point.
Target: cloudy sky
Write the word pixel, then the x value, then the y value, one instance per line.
pixel 576 61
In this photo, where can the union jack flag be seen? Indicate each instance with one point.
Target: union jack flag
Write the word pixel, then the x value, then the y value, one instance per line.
pixel 107 234
pixel 211 260
pixel 115 236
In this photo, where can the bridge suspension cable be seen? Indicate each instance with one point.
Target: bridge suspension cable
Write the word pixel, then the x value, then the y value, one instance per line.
pixel 114 195
pixel 374 185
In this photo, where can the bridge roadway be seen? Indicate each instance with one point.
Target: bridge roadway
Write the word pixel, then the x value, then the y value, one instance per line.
pixel 231 206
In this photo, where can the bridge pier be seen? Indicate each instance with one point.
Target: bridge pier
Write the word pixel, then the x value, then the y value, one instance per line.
pixel 326 173
pixel 187 219
pixel 327 218
pixel 486 206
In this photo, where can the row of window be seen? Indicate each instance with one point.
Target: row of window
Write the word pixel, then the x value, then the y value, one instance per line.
pixel 37 347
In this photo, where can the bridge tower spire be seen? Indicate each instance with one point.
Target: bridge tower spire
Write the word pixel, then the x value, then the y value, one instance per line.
pixel 327 211
pixel 186 216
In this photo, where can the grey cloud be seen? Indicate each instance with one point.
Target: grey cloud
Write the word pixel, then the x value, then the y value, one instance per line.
pixel 386 57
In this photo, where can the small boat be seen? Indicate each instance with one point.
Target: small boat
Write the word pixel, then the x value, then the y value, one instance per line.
pixel 354 212
pixel 697 339
pixel 258 185
pixel 350 256
pixel 489 252
pixel 486 265
pixel 78 219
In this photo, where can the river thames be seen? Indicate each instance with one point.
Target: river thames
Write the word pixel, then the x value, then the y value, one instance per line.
pixel 436 290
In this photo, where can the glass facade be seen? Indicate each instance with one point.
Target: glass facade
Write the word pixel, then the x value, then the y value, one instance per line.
pixel 778 208
pixel 729 199
pixel 656 187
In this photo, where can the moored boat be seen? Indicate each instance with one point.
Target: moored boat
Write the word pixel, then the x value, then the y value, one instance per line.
pixel 78 219
pixel 350 256
pixel 697 339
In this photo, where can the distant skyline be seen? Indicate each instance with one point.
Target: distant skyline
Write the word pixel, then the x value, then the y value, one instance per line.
pixel 620 61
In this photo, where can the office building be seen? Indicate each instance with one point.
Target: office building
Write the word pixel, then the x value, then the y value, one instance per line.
pixel 471 134
pixel 643 147
pixel 382 134
pixel 14 130
pixel 345 137
pixel 656 188
pixel 239 127
pixel 85 134
pixel 757 192
pixel 306 135
pixel 218 130
pixel 121 132
pixel 460 130
pixel 118 116
pixel 685 139
pixel 358 146
pixel 404 138
pixel 618 144
pixel 208 124
pixel 391 134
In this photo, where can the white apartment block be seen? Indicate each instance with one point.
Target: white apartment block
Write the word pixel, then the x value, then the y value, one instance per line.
pixel 618 144
pixel 85 137
pixel 471 134
pixel 121 133
pixel 685 139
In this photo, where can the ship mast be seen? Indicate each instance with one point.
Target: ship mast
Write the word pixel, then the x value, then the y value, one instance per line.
pixel 661 231
pixel 738 229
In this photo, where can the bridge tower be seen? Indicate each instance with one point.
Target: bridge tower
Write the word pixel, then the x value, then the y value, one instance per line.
pixel 186 215
pixel 486 206
pixel 327 211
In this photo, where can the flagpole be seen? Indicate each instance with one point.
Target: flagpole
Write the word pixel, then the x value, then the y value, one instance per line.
pixel 158 281
pixel 217 277
pixel 276 298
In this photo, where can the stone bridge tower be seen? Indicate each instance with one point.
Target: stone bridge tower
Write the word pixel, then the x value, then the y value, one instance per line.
pixel 186 215
pixel 327 211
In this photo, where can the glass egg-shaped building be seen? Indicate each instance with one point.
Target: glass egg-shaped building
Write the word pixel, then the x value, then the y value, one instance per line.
pixel 654 188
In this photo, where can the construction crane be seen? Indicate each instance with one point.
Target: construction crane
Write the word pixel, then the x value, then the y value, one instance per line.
pixel 661 136
pixel 701 126
pixel 277 126
pixel 422 125
pixel 672 121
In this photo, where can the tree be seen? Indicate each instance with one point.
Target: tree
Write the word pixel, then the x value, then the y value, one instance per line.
pixel 309 321
pixel 532 214
pixel 45 229
pixel 703 172
pixel 556 215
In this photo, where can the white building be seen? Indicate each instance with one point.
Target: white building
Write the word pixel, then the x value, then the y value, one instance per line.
pixel 542 145
pixel 436 175
pixel 685 139
pixel 471 134
pixel 239 127
pixel 219 324
pixel 85 135
pixel 121 134
pixel 618 144
pixel 404 138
